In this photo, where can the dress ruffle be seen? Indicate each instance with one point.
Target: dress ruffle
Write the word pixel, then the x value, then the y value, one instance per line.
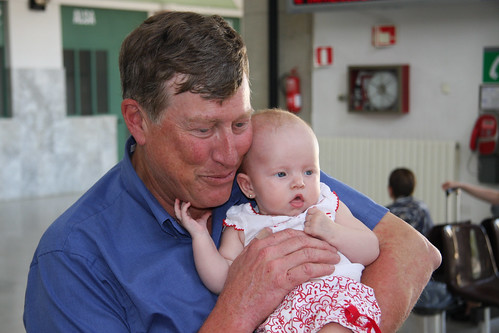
pixel 313 304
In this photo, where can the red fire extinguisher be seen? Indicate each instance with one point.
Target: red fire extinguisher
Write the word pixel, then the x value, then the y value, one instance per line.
pixel 293 94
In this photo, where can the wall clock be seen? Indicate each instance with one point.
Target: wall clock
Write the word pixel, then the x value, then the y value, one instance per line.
pixel 378 88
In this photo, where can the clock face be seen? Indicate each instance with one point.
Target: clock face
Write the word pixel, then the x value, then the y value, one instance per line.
pixel 382 90
pixel 378 88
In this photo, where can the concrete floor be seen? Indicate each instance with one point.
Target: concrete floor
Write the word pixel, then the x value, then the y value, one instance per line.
pixel 23 222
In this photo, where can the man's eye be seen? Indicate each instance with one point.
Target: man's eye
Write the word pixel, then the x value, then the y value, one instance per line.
pixel 241 126
pixel 281 174
pixel 202 131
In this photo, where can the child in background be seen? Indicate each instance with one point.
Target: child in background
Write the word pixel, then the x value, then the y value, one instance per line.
pixel 281 173
pixel 401 185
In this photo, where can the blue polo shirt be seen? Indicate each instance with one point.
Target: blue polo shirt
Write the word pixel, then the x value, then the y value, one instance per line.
pixel 116 261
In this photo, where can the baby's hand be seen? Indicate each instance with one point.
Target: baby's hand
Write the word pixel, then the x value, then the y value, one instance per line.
pixel 318 224
pixel 195 227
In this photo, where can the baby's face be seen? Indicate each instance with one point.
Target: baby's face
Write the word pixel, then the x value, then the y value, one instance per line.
pixel 285 173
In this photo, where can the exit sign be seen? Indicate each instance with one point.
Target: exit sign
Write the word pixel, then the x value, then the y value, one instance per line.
pixel 491 65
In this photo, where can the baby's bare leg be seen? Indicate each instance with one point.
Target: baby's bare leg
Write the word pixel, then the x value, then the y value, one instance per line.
pixel 334 328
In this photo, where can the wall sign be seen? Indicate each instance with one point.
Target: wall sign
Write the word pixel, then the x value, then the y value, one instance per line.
pixel 84 17
pixel 489 97
pixel 384 35
pixel 491 65
pixel 323 56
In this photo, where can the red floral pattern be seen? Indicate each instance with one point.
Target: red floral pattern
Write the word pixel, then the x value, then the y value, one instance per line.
pixel 313 304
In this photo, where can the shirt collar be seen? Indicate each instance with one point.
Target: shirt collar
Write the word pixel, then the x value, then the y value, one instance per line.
pixel 403 199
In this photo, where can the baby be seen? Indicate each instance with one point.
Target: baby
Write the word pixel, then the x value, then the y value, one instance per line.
pixel 281 173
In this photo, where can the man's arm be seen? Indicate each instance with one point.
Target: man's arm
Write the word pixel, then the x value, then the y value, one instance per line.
pixel 402 270
pixel 263 274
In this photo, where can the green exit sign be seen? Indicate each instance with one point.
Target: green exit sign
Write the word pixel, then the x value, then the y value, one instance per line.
pixel 491 65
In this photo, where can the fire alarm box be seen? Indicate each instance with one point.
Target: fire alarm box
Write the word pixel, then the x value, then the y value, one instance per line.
pixel 379 89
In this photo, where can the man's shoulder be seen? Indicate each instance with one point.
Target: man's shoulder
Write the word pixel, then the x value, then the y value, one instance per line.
pixel 84 221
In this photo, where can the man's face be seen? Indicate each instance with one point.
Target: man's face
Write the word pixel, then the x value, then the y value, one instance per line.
pixel 193 153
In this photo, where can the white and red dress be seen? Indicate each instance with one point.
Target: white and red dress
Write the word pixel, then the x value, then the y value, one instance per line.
pixel 339 297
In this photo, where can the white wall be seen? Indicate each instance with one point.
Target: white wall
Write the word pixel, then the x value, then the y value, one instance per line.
pixel 35 36
pixel 444 47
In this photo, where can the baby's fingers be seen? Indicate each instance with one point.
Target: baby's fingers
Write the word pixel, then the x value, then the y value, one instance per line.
pixel 185 206
pixel 177 209
pixel 312 210
pixel 181 209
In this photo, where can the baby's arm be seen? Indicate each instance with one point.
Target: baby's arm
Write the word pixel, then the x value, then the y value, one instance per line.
pixel 350 236
pixel 212 267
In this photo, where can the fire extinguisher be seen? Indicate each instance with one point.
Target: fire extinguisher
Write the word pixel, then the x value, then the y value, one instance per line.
pixel 293 93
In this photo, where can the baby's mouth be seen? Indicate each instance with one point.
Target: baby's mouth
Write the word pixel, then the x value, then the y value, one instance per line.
pixel 297 201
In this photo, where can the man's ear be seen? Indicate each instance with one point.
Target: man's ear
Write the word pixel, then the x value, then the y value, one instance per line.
pixel 244 182
pixel 134 119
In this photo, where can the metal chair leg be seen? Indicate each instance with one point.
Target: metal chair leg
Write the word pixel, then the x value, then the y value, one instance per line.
pixel 443 319
pixel 485 324
pixel 436 324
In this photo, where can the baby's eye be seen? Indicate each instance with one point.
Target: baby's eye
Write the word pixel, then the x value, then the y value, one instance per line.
pixel 309 172
pixel 281 174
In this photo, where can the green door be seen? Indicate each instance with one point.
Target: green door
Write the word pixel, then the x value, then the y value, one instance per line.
pixel 91 39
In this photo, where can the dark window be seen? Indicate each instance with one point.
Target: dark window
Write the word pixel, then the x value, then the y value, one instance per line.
pixel 3 85
pixel 87 83
pixel 5 110
pixel 102 91
pixel 69 65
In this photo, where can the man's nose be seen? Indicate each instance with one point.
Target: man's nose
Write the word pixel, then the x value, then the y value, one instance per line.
pixel 226 152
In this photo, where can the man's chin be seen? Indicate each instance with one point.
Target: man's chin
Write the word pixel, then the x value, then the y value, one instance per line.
pixel 217 197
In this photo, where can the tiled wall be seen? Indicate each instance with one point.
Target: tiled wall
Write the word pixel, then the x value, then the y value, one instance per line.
pixel 42 151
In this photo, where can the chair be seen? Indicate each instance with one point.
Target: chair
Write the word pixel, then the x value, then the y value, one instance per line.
pixel 469 268
pixel 491 226
pixel 436 300
pixel 435 236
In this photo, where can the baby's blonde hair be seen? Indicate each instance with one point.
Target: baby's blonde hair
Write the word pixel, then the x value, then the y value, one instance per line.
pixel 272 120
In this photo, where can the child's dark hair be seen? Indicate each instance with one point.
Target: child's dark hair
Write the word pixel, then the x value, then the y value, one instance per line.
pixel 402 181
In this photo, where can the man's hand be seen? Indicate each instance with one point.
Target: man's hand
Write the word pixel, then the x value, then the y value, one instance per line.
pixel 264 273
